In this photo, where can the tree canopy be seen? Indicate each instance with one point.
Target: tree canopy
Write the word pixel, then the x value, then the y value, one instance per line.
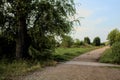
pixel 87 40
pixel 35 23
pixel 96 41
pixel 67 41
pixel 114 36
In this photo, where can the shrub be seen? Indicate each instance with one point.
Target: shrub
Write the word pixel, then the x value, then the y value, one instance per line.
pixel 107 57
pixel 7 47
pixel 116 51
pixel 67 41
pixel 77 43
pixel 112 55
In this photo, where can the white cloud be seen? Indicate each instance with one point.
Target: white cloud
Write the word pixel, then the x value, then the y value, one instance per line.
pixel 80 29
pixel 83 13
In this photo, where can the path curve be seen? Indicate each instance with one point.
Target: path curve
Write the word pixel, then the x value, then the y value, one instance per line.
pixel 91 58
pixel 78 69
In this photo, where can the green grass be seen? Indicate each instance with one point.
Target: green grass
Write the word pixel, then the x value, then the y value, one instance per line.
pixel 10 70
pixel 16 68
pixel 107 56
pixel 64 54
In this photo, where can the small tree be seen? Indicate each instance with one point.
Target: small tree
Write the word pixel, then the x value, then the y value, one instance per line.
pixel 96 41
pixel 77 43
pixel 113 36
pixel 67 41
pixel 87 40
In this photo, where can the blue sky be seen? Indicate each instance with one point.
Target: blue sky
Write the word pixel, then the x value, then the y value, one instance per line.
pixel 100 17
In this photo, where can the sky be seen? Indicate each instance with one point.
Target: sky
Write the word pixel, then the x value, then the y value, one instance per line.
pixel 99 18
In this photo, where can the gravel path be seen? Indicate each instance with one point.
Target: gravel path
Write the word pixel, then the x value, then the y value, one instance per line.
pixel 84 67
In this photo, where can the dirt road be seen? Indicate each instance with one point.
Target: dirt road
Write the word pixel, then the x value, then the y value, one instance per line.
pixel 84 67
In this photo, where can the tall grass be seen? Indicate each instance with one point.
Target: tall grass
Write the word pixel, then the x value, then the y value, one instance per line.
pixel 16 68
pixel 107 56
pixel 10 70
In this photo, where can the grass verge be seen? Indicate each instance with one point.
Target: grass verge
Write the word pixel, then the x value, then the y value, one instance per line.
pixel 10 70
pixel 65 54
pixel 108 57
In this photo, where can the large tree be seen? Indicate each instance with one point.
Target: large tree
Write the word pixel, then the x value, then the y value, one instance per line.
pixel 34 21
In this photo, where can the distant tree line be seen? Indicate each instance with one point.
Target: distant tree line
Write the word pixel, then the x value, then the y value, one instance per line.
pixel 68 41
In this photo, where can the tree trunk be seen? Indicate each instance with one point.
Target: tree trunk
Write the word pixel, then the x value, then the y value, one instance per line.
pixel 22 41
pixel 22 44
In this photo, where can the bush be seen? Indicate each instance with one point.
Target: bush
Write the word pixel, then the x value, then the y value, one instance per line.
pixel 112 55
pixel 107 56
pixel 116 51
pixel 67 41
pixel 7 48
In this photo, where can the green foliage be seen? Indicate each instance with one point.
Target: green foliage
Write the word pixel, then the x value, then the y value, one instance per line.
pixel 8 71
pixel 67 41
pixel 35 20
pixel 107 57
pixel 87 40
pixel 12 70
pixel 116 52
pixel 64 54
pixel 82 43
pixel 96 41
pixel 77 43
pixel 112 55
pixel 114 36
pixel 7 48
pixel 42 48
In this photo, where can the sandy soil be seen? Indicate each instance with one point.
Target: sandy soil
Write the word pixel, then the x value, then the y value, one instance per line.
pixel 84 67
